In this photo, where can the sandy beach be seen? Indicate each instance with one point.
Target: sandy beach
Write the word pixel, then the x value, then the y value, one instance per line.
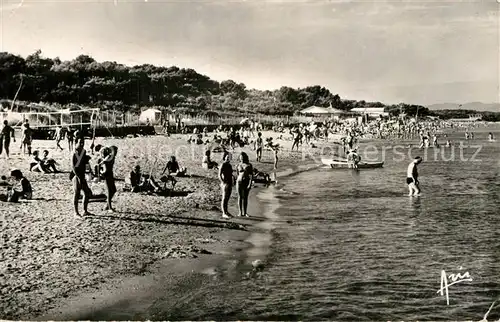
pixel 51 260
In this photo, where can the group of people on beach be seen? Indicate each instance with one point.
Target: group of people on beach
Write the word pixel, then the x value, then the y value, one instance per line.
pixel 7 134
pixel 140 182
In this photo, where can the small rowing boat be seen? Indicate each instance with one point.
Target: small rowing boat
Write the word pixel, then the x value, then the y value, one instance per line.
pixel 343 164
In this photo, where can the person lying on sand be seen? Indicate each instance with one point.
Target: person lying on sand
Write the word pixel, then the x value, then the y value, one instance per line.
pixel 172 168
pixel 22 190
pixel 207 163
pixel 142 182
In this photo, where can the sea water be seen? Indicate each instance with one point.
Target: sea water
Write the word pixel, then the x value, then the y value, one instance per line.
pixel 351 245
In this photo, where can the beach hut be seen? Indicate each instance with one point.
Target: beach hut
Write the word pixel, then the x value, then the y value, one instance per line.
pixel 152 115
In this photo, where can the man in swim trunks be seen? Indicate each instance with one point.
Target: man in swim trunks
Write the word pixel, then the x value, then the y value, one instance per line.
pixel 79 164
pixel 412 177
pixel 27 138
pixel 259 144
pixel 226 185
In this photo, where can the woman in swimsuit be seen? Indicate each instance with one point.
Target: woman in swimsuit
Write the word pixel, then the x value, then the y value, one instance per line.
pixel 244 183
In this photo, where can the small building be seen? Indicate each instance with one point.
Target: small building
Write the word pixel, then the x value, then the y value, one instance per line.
pixel 370 111
pixel 151 115
pixel 472 118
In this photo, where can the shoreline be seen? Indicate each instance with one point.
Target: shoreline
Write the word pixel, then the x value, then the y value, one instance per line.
pixel 130 298
pixel 140 242
pixel 45 267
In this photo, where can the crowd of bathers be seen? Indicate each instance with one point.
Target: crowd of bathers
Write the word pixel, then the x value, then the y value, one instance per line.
pixel 98 165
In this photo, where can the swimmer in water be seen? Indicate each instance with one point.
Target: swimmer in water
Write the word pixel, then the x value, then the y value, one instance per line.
pixel 490 137
pixel 412 177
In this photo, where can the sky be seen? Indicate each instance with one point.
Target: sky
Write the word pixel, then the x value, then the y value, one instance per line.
pixel 419 52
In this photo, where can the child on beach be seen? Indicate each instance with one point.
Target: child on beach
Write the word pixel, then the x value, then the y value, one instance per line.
pixel 22 191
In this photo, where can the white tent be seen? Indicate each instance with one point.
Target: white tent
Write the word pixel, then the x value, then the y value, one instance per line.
pixel 152 115
pixel 318 110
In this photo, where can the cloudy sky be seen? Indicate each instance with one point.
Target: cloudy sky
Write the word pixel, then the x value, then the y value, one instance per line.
pixel 391 51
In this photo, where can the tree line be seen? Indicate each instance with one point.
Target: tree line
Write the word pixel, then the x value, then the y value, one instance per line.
pixel 109 85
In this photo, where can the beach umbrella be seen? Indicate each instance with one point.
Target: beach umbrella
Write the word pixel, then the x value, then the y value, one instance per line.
pixel 245 120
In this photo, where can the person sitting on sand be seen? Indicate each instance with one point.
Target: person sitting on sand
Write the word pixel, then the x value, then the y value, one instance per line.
pixel 172 168
pixel 36 164
pixel 207 163
pixel 141 182
pixel 49 165
pixel 22 191
pixel 199 139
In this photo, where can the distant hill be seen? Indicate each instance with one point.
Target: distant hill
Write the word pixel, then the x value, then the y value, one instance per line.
pixel 475 106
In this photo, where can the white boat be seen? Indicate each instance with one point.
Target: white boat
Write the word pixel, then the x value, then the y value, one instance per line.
pixel 343 164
